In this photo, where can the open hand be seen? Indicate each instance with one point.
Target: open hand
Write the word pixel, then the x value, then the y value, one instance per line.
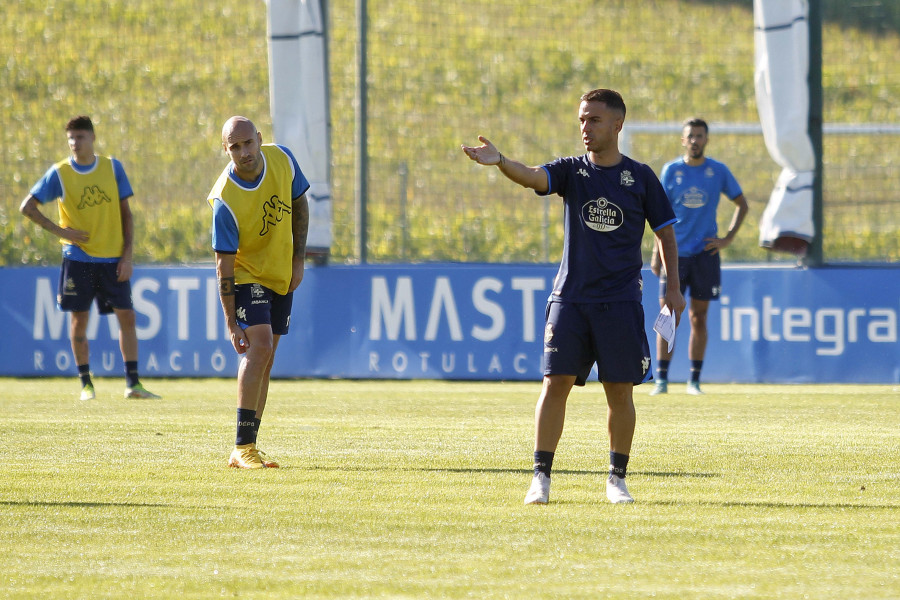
pixel 486 154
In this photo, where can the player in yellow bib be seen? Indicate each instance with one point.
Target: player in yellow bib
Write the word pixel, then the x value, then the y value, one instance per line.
pixel 95 229
pixel 260 224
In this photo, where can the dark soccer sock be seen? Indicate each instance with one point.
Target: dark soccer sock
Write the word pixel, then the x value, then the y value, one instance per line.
pixel 663 370
pixel 543 462
pixel 246 427
pixel 618 464
pixel 84 373
pixel 696 367
pixel 131 373
pixel 256 422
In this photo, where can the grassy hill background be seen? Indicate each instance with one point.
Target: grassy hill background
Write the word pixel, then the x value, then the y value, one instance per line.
pixel 159 78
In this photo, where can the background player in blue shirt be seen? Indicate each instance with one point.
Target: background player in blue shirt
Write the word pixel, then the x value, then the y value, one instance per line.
pixel 594 313
pixel 694 183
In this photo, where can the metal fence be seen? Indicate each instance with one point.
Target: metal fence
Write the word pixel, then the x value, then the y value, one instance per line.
pixel 161 77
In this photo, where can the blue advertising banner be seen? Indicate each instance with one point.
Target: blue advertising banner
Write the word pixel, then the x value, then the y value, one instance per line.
pixel 464 321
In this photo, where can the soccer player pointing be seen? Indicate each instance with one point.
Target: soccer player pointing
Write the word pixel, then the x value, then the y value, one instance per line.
pixel 260 223
pixel 594 313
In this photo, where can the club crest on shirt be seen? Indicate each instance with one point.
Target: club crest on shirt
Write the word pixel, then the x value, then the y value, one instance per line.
pixel 625 178
pixel 602 215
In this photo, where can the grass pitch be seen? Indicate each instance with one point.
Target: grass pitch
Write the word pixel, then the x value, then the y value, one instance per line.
pixel 414 489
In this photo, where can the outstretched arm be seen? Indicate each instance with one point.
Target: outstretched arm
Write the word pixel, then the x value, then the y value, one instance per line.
pixel 487 154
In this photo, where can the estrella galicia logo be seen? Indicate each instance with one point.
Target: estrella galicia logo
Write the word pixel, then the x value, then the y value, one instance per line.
pixel 602 215
pixel 693 197
pixel 92 196
pixel 274 211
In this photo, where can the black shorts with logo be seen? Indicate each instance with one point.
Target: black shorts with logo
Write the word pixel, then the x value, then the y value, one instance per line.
pixel 702 273
pixel 81 282
pixel 256 304
pixel 611 334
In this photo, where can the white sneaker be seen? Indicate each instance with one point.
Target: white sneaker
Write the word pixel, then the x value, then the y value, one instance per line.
pixel 616 490
pixel 539 492
pixel 661 387
pixel 693 389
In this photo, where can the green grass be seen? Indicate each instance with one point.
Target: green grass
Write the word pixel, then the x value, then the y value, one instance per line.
pixel 161 77
pixel 414 489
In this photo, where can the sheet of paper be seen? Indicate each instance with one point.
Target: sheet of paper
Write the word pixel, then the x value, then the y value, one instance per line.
pixel 665 326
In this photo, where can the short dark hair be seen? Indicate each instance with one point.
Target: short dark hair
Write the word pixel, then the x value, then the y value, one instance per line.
pixel 695 122
pixel 611 98
pixel 80 123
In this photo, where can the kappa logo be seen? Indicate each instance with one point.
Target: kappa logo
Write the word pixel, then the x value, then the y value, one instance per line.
pixel 602 215
pixel 583 173
pixel 626 179
pixel 274 210
pixel 645 364
pixel 92 196
pixel 241 313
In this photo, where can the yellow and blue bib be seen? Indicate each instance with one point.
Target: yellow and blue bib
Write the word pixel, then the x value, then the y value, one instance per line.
pixel 90 202
pixel 260 216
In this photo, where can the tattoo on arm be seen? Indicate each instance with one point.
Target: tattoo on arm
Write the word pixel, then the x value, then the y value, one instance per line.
pixel 226 286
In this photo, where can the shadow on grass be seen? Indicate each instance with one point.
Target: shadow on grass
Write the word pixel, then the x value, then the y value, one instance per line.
pixel 599 473
pixel 787 505
pixel 511 471
pixel 24 503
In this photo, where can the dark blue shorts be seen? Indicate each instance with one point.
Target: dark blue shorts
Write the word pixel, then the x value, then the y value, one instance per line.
pixel 702 273
pixel 81 282
pixel 612 335
pixel 256 304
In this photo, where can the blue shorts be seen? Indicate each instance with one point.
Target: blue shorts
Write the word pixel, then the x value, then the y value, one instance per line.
pixel 81 282
pixel 702 273
pixel 610 334
pixel 256 304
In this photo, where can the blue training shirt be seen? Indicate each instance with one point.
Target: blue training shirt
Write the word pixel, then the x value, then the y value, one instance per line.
pixel 605 212
pixel 694 193
pixel 49 188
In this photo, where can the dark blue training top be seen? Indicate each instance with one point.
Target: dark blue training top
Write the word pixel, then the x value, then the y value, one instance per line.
pixel 605 211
